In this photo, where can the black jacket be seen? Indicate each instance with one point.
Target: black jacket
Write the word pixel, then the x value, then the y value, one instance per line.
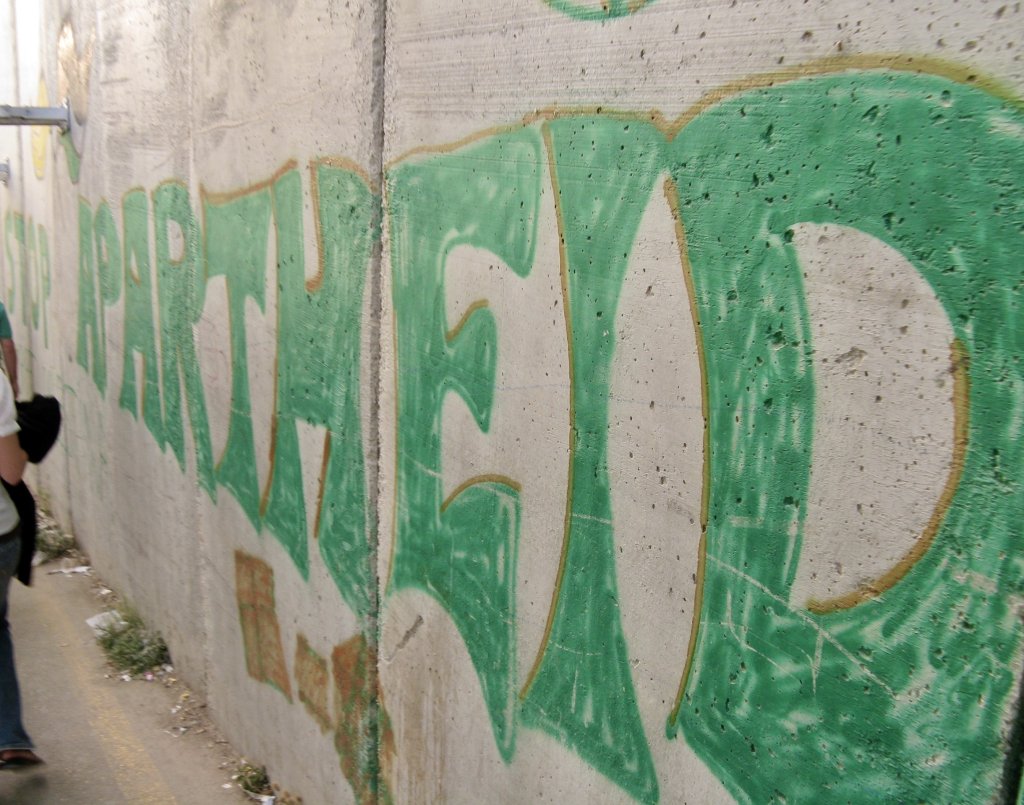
pixel 39 420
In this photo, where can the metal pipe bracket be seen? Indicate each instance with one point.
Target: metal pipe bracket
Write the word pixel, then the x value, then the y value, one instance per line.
pixel 59 116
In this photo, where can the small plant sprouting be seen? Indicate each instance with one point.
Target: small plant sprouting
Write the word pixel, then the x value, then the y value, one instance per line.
pixel 53 543
pixel 253 779
pixel 130 646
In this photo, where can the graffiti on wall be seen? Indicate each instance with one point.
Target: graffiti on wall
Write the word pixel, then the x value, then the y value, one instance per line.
pixel 26 276
pixel 850 696
pixel 897 691
pixel 162 293
pixel 317 382
pixel 356 727
pixel 604 9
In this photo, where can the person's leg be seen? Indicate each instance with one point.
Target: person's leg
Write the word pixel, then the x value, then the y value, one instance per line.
pixel 12 732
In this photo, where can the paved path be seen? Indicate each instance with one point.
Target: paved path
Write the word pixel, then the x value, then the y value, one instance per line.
pixel 105 741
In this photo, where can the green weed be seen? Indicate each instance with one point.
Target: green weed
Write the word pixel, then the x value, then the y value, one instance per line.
pixel 253 779
pixel 130 646
pixel 52 542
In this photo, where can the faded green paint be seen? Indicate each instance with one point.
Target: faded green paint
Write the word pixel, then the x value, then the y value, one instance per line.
pixel 599 9
pixel 16 227
pixel 92 337
pixel 181 290
pixel 900 698
pixel 27 270
pixel 464 554
pixel 236 247
pixel 74 159
pixel 43 277
pixel 139 327
pixel 108 256
pixel 27 252
pixel 99 284
pixel 11 228
pixel 29 295
pixel 582 692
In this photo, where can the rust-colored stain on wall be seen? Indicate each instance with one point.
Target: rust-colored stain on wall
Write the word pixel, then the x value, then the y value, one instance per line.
pixel 261 633
pixel 311 678
pixel 361 756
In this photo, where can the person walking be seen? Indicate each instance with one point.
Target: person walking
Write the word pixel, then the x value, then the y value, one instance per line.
pixel 16 748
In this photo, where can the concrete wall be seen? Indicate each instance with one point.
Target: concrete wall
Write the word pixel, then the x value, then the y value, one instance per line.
pixel 724 502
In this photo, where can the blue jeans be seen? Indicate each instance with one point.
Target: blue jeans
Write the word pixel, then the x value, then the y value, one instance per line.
pixel 12 733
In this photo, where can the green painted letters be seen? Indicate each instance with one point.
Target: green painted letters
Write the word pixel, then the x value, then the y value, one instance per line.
pixel 139 327
pixel 462 550
pixel 181 289
pixel 92 343
pixel 582 690
pixel 236 247
pixel 900 698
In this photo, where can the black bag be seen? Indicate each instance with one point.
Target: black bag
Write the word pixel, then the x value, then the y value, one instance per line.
pixel 39 420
